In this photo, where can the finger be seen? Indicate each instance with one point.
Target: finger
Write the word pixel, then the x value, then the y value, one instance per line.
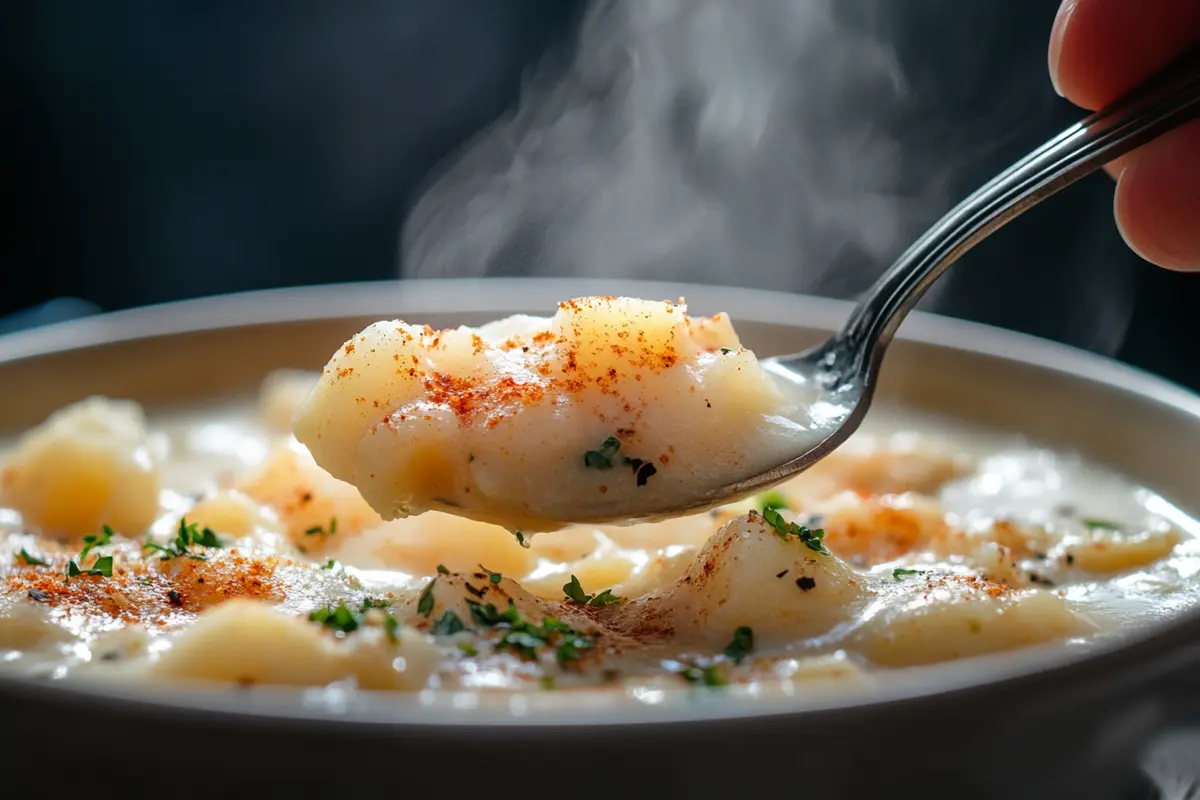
pixel 1157 202
pixel 1100 49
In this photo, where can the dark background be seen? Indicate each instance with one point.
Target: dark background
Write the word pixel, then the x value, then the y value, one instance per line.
pixel 159 151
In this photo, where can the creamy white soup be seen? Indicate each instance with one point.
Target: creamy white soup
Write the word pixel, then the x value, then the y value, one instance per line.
pixel 212 546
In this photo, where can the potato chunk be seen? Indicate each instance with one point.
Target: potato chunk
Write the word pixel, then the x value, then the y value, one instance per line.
pixel 748 575
pixel 246 642
pixel 87 465
pixel 609 410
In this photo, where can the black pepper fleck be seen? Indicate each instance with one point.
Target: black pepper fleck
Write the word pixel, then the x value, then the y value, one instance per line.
pixel 806 583
pixel 781 574
pixel 645 472
pixel 175 599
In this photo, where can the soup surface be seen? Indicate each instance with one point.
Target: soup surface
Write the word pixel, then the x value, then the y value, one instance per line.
pixel 209 546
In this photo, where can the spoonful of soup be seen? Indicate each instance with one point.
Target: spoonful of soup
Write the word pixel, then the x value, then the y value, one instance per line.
pixel 618 409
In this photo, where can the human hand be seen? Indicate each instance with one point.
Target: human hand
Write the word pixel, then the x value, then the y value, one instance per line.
pixel 1098 50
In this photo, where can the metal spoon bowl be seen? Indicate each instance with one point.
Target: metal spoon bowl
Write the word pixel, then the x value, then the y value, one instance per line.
pixel 844 370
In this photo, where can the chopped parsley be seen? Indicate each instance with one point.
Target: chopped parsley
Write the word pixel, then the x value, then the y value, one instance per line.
pixel 493 577
pixel 570 645
pixel 441 568
pixel 346 620
pixel 448 625
pixel 487 615
pixel 603 457
pixel 321 530
pixel 102 567
pixel 1100 525
pixel 574 592
pixel 189 535
pixel 391 628
pixel 339 618
pixel 32 561
pixel 526 639
pixel 525 642
pixel 708 675
pixel 92 541
pixel 742 644
pixel 331 564
pixel 772 500
pixel 898 573
pixel 812 539
pixel 726 350
pixel 521 540
pixel 468 649
pixel 425 601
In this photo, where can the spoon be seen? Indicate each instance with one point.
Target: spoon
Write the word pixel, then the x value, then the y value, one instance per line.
pixel 843 372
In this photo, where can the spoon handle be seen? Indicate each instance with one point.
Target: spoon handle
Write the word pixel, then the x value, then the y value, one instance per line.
pixel 1162 103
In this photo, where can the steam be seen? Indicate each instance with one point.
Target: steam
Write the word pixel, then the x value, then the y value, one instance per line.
pixel 698 140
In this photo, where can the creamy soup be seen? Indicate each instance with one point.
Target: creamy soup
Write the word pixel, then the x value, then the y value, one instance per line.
pixel 210 546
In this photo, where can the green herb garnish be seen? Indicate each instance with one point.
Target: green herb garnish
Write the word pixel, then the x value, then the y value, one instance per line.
pixel 812 539
pixel 726 350
pixel 32 561
pixel 525 642
pixel 331 564
pixel 92 541
pixel 346 620
pixel 425 601
pixel 521 539
pixel 569 647
pixel 339 618
pixel 574 592
pixel 441 568
pixel 898 573
pixel 189 535
pixel 1100 524
pixel 468 649
pixel 526 639
pixel 487 615
pixel 710 675
pixel 448 625
pixel 742 644
pixel 102 567
pixel 772 500
pixel 602 458
pixel 321 530
pixel 391 628
pixel 493 577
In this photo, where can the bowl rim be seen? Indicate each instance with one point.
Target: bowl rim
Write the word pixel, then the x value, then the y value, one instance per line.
pixel 1173 642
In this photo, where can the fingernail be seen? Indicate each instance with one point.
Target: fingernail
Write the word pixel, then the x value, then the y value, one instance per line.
pixel 1056 39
